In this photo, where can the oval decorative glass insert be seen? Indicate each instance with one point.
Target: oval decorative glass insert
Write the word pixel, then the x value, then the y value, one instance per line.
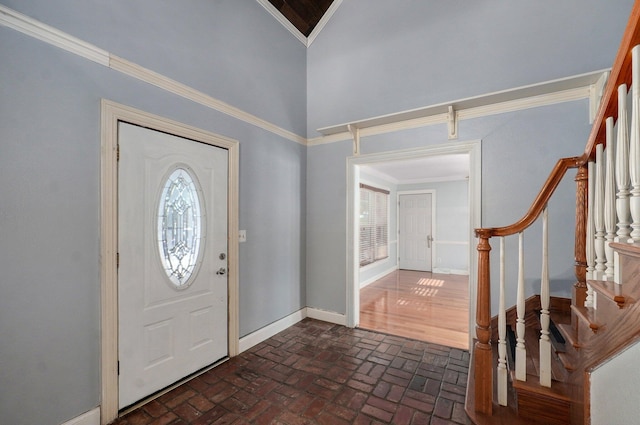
pixel 179 227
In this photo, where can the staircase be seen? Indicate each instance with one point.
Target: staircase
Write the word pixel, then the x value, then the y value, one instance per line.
pixel 534 362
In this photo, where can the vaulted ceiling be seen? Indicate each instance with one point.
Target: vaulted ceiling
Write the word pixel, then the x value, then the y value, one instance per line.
pixel 303 14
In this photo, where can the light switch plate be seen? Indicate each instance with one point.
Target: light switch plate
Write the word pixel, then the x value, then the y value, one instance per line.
pixel 242 235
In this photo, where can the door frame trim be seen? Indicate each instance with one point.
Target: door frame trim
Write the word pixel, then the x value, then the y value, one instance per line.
pixel 111 114
pixel 474 149
pixel 431 192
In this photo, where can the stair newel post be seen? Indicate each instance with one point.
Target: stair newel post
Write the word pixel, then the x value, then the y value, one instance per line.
pixel 634 147
pixel 622 174
pixel 545 342
pixel 609 200
pixel 521 351
pixel 502 333
pixel 589 248
pixel 581 243
pixel 598 213
pixel 483 355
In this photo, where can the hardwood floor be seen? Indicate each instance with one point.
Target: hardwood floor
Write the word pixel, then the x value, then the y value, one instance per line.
pixel 420 305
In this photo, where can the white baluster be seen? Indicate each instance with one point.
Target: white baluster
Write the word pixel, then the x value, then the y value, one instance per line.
pixel 634 147
pixel 591 257
pixel 545 342
pixel 609 201
pixel 521 351
pixel 598 214
pixel 622 167
pixel 622 175
pixel 502 334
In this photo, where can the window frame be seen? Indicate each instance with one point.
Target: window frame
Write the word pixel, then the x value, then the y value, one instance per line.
pixel 376 244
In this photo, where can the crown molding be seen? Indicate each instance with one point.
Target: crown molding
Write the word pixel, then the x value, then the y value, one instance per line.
pixel 36 29
pixel 293 30
pixel 376 173
pixel 143 74
pixel 323 21
pixel 543 94
pixel 457 178
pixel 283 21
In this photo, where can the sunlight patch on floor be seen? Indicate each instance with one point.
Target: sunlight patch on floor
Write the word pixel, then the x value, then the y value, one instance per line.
pixel 430 282
pixel 425 292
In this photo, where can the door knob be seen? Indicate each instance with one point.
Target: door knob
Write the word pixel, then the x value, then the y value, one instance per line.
pixel 221 271
pixel 429 239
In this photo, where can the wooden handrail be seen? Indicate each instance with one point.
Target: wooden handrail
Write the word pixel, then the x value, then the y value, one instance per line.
pixel 620 74
pixel 539 203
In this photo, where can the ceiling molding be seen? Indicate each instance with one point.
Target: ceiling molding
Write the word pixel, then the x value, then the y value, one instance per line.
pixel 293 30
pixel 447 179
pixel 284 21
pixel 325 19
pixel 57 38
pixel 371 171
pixel 143 74
pixel 548 93
pixel 43 32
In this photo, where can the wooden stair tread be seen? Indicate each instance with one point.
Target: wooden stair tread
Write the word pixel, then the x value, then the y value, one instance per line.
pixel 612 291
pixel 569 335
pixel 567 361
pixel 630 250
pixel 558 390
pixel 586 315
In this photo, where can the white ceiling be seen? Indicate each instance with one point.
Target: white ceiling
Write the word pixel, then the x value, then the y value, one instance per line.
pixel 422 170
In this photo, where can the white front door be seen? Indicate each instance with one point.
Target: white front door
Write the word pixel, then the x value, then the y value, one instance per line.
pixel 172 248
pixel 415 238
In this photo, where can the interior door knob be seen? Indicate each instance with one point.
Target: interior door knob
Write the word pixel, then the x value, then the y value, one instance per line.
pixel 221 271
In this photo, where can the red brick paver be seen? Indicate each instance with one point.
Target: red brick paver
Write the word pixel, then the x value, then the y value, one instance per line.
pixel 318 373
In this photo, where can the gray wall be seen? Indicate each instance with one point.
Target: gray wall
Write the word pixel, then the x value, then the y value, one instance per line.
pixel 50 173
pixel 372 58
pixel 377 58
pixel 452 231
pixel 452 225
pixel 519 149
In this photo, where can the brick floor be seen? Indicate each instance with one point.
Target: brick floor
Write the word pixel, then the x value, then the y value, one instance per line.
pixel 318 373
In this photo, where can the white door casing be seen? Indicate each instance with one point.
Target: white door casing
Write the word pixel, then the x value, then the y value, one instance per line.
pixel 112 114
pixel 415 239
pixel 169 329
pixel 473 148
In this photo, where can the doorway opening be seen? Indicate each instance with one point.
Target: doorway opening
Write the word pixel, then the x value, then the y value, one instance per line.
pixel 360 167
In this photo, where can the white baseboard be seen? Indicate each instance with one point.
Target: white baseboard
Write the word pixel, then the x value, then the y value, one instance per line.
pixel 378 276
pixel 451 271
pixel 327 316
pixel 262 334
pixel 92 417
pixel 255 338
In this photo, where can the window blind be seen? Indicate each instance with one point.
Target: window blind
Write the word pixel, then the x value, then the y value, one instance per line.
pixel 374 226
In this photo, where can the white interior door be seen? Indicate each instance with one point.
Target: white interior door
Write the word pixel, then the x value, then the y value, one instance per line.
pixel 415 238
pixel 172 246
